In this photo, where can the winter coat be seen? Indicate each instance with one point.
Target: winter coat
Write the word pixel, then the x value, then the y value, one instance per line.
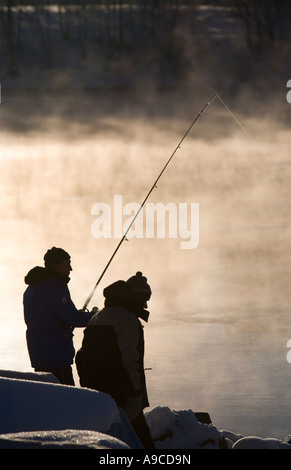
pixel 111 359
pixel 50 316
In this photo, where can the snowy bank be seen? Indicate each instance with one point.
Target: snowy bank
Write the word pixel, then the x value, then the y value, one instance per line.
pixel 32 406
pixel 38 413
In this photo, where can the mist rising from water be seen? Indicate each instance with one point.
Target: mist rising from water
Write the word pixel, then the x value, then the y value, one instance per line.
pixel 51 177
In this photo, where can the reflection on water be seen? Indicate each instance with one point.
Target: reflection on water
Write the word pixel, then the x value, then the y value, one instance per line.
pixel 219 324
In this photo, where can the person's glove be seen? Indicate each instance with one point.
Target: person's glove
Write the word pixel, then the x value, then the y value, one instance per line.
pixel 133 406
pixel 94 310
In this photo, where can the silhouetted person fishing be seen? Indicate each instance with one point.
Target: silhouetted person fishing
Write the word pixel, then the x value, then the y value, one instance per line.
pixel 111 359
pixel 50 316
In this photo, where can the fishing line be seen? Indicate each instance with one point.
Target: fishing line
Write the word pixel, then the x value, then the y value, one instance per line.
pixel 147 196
pixel 239 123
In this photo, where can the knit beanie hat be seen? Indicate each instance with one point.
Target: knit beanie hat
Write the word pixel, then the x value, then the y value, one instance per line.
pixel 117 290
pixel 55 256
pixel 138 284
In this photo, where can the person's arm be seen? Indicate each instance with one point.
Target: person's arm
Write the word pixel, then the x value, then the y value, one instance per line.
pixel 63 307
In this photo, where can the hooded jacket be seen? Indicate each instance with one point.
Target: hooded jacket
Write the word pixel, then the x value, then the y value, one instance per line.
pixel 50 316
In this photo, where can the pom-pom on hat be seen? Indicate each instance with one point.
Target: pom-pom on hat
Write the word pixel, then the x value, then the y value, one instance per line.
pixel 138 284
pixel 55 256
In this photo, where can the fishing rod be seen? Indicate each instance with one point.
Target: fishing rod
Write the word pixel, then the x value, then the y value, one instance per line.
pixel 146 198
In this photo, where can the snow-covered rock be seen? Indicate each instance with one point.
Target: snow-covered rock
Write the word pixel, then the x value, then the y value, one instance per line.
pixel 65 439
pixel 36 406
pixel 254 442
pixel 34 376
pixel 230 438
pixel 181 430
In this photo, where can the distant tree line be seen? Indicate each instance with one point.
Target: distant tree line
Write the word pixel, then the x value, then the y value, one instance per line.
pixel 38 30
pixel 260 20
